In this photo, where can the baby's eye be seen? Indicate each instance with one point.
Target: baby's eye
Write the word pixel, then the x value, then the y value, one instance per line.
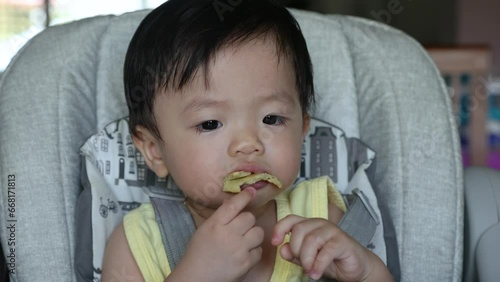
pixel 208 125
pixel 273 120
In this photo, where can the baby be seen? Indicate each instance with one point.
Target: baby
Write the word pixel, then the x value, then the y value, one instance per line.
pixel 215 88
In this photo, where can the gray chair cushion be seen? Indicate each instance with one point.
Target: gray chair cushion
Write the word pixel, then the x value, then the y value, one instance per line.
pixel 482 224
pixel 371 80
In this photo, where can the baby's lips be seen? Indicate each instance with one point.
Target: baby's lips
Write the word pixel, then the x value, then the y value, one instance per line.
pixel 249 168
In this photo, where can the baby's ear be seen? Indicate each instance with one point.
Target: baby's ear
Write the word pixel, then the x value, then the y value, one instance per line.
pixel 305 125
pixel 150 149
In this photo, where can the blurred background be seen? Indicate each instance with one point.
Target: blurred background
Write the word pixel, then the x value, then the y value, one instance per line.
pixel 459 35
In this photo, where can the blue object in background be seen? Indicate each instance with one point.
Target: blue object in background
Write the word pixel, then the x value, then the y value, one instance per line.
pixel 494 105
pixel 494 121
pixel 464 99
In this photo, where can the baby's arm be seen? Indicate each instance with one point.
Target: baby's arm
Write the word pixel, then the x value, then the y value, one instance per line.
pixel 323 249
pixel 119 263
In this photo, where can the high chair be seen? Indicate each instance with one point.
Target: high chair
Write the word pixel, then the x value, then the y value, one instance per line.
pixel 373 81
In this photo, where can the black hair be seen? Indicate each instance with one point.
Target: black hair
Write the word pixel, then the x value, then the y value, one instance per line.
pixel 181 36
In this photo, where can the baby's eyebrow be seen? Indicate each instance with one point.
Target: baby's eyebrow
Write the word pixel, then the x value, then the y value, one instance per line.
pixel 282 97
pixel 202 103
pixel 198 104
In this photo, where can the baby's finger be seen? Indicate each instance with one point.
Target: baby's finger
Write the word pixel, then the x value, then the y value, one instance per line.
pixel 242 222
pixel 330 252
pixel 286 254
pixel 312 243
pixel 232 207
pixel 284 226
pixel 337 249
pixel 254 237
pixel 303 234
pixel 255 255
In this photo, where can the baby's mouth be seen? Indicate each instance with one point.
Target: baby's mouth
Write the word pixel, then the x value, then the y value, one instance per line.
pixel 236 181
pixel 257 185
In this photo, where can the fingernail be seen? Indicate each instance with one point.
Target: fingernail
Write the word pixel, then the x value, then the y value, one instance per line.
pixel 251 190
pixel 314 275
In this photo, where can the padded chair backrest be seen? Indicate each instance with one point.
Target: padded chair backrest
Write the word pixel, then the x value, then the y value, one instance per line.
pixel 482 224
pixel 371 80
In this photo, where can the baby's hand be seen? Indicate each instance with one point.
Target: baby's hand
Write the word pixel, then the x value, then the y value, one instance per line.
pixel 323 249
pixel 226 246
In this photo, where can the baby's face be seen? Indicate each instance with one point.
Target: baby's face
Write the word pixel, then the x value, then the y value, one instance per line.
pixel 249 119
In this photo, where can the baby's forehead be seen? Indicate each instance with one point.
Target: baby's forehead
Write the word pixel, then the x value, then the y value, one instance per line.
pixel 241 54
pixel 249 52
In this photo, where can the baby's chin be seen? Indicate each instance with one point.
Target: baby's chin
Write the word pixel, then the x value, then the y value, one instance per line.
pixel 206 205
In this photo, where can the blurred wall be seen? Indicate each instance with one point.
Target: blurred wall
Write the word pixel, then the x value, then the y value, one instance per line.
pixel 430 22
pixel 479 23
pixel 443 22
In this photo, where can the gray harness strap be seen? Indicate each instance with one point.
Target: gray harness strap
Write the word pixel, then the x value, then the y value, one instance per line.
pixel 174 220
pixel 177 226
pixel 360 220
pixel 174 217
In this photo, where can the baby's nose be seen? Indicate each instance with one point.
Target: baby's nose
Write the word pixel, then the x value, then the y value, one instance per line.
pixel 245 143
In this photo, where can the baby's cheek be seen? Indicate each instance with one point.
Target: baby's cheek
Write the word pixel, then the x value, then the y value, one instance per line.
pixel 289 168
pixel 207 175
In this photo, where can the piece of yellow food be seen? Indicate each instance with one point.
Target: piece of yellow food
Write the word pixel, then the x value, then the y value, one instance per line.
pixel 234 181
